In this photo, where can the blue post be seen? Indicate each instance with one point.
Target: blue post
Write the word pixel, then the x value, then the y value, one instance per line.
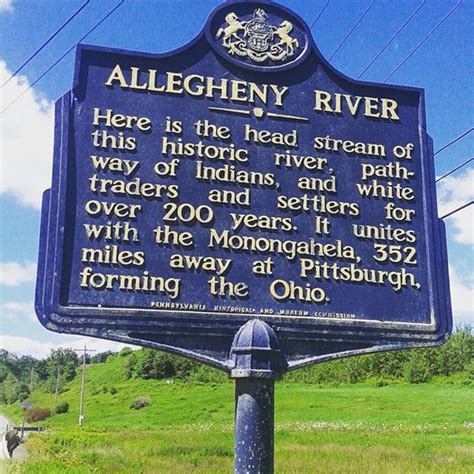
pixel 257 363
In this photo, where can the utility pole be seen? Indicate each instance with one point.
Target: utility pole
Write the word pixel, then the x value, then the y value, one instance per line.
pixel 83 382
pixel 31 379
pixel 57 387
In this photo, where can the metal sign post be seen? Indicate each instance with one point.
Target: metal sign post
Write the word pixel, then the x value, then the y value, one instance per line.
pixel 25 406
pixel 258 363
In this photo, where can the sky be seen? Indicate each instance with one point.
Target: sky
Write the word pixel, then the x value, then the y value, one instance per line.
pixel 443 66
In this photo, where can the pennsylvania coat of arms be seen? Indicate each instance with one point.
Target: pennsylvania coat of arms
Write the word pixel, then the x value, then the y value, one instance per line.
pixel 257 39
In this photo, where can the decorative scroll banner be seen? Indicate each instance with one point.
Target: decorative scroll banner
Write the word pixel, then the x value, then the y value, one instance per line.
pixel 242 177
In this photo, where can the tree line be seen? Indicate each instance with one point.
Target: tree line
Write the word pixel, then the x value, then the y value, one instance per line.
pixel 413 366
pixel 20 376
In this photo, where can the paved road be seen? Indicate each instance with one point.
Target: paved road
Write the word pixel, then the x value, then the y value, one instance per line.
pixel 20 452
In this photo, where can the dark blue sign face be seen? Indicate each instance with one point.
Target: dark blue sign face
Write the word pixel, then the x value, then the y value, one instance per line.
pixel 241 177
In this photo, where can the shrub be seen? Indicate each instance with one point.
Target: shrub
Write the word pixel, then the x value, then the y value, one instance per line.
pixel 101 357
pixel 417 371
pixel 456 354
pixel 62 408
pixel 140 402
pixel 125 352
pixel 207 375
pixel 37 414
pixel 155 365
pixel 470 370
pixel 129 368
pixel 381 383
pixel 152 364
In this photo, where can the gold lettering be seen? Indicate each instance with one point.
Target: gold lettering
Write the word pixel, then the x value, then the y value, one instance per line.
pixel 373 107
pixel 116 75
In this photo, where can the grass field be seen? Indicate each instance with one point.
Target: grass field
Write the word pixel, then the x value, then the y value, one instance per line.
pixel 360 428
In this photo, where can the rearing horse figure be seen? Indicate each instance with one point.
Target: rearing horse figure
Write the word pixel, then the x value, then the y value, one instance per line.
pixel 291 43
pixel 235 25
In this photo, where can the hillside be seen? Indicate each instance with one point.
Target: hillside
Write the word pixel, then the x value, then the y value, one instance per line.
pixel 186 427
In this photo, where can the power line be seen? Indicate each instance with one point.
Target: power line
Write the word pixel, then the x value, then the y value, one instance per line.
pixel 457 210
pixel 319 15
pixel 455 169
pixel 391 39
pixel 424 40
pixel 62 57
pixel 454 141
pixel 46 43
pixel 352 29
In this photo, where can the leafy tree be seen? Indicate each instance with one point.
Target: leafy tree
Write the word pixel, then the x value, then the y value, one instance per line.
pixel 151 364
pixel 3 372
pixel 155 365
pixel 456 354
pixel 64 361
pixel 12 390
pixel 101 357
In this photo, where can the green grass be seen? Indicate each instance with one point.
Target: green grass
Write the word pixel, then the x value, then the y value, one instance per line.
pixel 361 428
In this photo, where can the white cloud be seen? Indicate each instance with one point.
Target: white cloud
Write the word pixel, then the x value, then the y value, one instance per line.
pixel 15 274
pixel 6 6
pixel 26 346
pixel 453 192
pixel 14 310
pixel 26 141
pixel 462 295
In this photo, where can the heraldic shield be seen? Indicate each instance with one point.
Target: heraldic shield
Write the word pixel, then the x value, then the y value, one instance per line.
pixel 260 39
pixel 259 32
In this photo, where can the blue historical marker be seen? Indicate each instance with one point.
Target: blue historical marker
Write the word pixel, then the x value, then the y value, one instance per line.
pixel 241 202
